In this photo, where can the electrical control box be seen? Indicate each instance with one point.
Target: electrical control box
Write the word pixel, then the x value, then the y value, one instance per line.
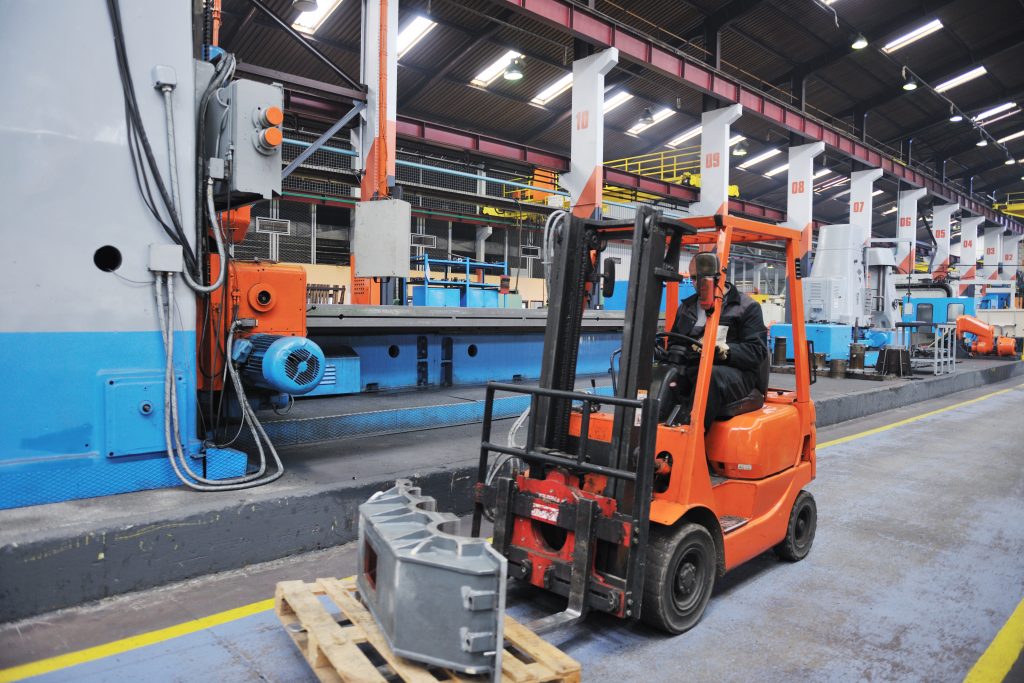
pixel 381 236
pixel 243 130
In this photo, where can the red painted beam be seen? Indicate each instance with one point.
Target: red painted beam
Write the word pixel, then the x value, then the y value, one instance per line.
pixel 447 136
pixel 592 26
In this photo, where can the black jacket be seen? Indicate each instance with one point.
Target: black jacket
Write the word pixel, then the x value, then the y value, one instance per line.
pixel 747 338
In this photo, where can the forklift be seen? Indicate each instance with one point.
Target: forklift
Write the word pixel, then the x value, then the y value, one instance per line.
pixel 622 508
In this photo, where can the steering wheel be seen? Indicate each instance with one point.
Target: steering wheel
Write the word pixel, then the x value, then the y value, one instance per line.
pixel 675 335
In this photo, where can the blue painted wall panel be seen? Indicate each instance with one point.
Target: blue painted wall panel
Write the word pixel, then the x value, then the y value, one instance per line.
pixel 77 427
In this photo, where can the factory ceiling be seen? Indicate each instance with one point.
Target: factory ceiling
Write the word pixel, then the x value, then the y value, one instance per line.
pixel 971 51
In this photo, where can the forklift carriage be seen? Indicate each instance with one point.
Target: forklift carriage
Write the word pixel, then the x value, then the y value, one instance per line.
pixel 628 512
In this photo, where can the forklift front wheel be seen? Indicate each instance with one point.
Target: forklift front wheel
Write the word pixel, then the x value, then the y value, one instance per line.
pixel 803 521
pixel 681 567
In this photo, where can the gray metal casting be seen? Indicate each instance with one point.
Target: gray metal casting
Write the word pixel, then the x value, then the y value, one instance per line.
pixel 439 598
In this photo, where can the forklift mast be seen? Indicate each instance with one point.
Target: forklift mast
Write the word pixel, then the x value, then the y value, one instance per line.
pixel 655 248
pixel 605 528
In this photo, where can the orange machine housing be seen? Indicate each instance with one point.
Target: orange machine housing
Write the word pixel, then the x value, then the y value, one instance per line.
pixel 986 341
pixel 274 294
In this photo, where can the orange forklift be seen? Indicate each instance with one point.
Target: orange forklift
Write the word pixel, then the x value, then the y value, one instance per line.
pixel 619 508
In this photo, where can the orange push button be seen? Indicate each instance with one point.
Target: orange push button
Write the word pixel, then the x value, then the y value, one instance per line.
pixel 271 138
pixel 272 116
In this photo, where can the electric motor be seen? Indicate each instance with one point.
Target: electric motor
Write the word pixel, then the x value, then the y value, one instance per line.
pixel 290 365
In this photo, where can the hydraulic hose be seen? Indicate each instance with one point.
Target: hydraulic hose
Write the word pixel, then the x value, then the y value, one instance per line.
pixel 168 92
pixel 172 430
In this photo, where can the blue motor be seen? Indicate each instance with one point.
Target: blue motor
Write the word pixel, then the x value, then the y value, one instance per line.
pixel 290 365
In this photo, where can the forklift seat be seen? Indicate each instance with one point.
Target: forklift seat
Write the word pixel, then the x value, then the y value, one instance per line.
pixel 748 404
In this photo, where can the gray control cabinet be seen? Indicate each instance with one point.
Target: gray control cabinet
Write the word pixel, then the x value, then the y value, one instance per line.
pixel 381 238
pixel 238 132
pixel 438 598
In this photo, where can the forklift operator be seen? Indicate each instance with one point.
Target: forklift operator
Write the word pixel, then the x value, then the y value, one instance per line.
pixel 741 352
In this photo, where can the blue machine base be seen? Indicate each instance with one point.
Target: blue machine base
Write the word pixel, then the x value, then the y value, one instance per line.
pixel 88 416
pixel 401 361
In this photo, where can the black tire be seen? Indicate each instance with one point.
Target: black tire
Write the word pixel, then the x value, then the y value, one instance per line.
pixel 681 569
pixel 803 522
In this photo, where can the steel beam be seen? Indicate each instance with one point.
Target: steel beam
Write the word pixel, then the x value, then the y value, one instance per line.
pixel 588 24
pixel 322 140
pixel 724 16
pixel 301 40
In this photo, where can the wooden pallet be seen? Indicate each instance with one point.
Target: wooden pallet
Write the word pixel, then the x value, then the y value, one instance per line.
pixel 353 650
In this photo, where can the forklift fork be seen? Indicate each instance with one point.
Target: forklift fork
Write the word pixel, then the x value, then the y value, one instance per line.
pixel 582 561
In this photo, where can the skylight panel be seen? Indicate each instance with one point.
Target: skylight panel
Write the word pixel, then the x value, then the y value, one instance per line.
pixel 763 156
pixel 310 22
pixel 494 69
pixel 554 90
pixel 658 117
pixel 413 33
pixel 688 135
pixel 616 100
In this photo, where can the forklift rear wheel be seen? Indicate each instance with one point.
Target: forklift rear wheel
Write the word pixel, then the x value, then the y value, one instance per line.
pixel 803 522
pixel 681 567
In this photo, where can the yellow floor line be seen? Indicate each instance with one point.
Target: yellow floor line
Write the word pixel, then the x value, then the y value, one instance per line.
pixel 117 647
pixel 900 423
pixel 43 666
pixel 997 659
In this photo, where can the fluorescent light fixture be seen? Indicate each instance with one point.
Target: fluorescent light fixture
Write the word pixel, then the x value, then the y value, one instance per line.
pixel 976 72
pixel 413 33
pixel 616 100
pixel 891 209
pixel 821 174
pixel 775 171
pixel 656 118
pixel 912 36
pixel 554 90
pixel 831 183
pixel 736 139
pixel 837 195
pixel 310 22
pixel 876 193
pixel 996 119
pixel 763 156
pixel 688 135
pixel 1011 136
pixel 989 113
pixel 494 69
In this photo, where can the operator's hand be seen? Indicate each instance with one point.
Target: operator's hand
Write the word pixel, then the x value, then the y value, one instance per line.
pixel 721 350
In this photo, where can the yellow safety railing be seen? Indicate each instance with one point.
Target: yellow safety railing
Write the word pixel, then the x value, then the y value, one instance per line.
pixel 1013 206
pixel 673 166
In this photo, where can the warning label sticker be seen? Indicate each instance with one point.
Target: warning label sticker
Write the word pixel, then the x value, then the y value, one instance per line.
pixel 543 511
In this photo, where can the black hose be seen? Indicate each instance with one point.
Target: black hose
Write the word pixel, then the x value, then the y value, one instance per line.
pixel 144 165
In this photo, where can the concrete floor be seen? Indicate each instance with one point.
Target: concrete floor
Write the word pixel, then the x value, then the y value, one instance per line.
pixel 918 561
